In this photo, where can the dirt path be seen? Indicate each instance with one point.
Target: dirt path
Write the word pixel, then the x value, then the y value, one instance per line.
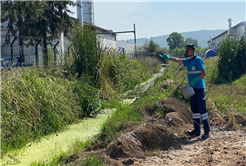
pixel 224 148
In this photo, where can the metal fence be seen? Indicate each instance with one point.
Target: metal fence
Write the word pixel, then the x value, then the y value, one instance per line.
pixel 10 53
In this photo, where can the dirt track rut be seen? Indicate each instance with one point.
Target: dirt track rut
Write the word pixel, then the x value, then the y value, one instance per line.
pixel 223 148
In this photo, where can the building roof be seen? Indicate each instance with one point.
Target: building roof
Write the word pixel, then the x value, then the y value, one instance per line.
pixel 241 23
pixel 99 28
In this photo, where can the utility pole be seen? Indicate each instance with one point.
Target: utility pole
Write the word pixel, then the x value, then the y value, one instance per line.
pixel 135 41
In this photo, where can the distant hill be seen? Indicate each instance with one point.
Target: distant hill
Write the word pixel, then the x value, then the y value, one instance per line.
pixel 201 36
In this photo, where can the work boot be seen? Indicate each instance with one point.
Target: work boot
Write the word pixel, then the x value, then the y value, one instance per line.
pixel 205 136
pixel 193 133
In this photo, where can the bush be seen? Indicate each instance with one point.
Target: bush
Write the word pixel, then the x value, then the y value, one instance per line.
pixel 87 98
pixel 231 63
pixel 178 52
pixel 241 55
pixel 152 63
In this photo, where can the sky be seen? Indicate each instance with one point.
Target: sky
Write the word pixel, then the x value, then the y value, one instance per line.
pixel 155 18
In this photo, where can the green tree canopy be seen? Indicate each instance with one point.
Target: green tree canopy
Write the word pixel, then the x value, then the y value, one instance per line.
pixel 175 40
pixel 53 20
pixel 38 19
pixel 151 46
pixel 191 41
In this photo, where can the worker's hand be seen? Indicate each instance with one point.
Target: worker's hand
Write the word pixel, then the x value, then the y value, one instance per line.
pixel 165 56
pixel 194 81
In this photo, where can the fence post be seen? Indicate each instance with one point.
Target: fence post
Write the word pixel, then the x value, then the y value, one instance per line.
pixel 55 50
pixel 36 51
pixel 68 49
pixel 11 47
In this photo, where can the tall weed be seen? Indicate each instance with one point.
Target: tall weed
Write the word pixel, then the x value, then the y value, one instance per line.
pixel 34 104
pixel 231 63
pixel 87 52
pixel 123 73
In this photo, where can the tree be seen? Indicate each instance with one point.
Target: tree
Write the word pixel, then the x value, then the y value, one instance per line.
pixel 54 19
pixel 191 41
pixel 39 19
pixel 18 14
pixel 151 46
pixel 175 40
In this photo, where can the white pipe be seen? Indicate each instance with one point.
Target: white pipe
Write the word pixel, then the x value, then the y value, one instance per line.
pixel 230 21
pixel 80 12
pixel 62 42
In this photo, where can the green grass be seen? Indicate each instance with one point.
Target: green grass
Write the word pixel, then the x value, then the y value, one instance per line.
pixel 34 105
pixel 91 160
pixel 123 116
pixel 241 82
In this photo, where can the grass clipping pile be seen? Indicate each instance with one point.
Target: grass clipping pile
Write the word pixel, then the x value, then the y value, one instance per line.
pixel 155 132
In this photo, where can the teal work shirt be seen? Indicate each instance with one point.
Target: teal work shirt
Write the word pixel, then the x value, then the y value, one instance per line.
pixel 194 67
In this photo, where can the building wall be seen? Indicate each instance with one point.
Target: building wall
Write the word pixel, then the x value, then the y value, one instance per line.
pixel 127 46
pixel 107 43
pixel 237 32
pixel 218 40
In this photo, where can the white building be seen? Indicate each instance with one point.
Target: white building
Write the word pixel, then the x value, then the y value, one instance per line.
pixel 237 31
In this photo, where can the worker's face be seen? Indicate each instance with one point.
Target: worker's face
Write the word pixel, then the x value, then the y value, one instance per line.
pixel 189 52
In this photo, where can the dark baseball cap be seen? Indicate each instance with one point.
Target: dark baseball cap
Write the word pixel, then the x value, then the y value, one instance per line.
pixel 192 46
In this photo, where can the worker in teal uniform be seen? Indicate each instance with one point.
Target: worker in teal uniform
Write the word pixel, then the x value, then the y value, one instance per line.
pixel 196 73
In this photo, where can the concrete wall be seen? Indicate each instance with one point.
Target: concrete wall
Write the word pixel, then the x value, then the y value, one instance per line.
pixel 127 46
pixel 108 43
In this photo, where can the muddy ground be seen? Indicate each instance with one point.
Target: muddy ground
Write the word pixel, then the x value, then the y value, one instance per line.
pixel 161 140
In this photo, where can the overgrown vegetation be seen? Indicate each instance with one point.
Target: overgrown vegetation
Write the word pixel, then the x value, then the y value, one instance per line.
pixel 224 97
pixel 232 59
pixel 127 116
pixel 39 101
pixel 34 104
pixel 152 49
